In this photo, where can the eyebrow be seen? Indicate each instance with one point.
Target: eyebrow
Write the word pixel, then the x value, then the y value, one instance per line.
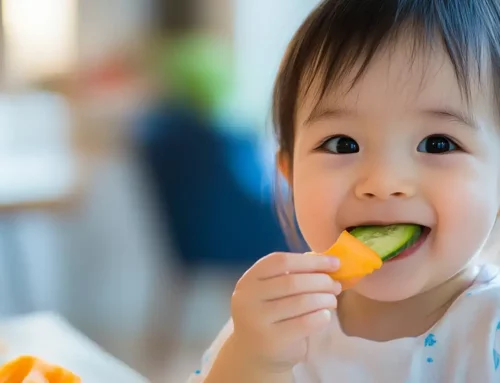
pixel 323 113
pixel 450 114
pixel 445 114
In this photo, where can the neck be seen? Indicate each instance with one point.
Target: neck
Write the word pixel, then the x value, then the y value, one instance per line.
pixel 382 321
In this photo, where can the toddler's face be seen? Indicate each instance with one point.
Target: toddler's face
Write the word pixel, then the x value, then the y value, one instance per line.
pixel 401 146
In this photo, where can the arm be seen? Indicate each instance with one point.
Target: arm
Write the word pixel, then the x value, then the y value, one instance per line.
pixel 230 366
pixel 277 304
pixel 222 363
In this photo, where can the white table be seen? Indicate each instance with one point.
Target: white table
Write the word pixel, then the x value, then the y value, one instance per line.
pixel 49 337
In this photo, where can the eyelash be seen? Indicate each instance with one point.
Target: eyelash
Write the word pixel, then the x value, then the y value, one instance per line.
pixel 458 146
pixel 322 146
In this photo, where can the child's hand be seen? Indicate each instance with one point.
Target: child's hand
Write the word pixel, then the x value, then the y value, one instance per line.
pixel 278 303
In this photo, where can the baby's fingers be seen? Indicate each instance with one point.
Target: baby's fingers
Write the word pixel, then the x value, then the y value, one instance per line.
pixel 298 328
pixel 277 264
pixel 295 284
pixel 296 306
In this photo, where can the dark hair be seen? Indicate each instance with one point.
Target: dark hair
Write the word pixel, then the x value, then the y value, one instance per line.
pixel 339 34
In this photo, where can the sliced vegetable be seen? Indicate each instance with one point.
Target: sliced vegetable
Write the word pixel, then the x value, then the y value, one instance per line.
pixel 365 248
pixel 33 370
pixel 356 258
pixel 388 241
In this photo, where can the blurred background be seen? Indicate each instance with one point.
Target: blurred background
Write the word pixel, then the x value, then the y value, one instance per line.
pixel 136 165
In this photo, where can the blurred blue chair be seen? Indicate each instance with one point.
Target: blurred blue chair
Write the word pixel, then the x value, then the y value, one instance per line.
pixel 211 189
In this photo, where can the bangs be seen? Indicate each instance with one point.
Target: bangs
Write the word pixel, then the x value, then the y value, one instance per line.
pixel 339 40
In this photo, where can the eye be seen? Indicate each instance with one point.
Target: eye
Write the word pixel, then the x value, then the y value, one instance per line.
pixel 437 145
pixel 340 145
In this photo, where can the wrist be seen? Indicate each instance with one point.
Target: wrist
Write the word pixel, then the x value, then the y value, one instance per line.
pixel 236 363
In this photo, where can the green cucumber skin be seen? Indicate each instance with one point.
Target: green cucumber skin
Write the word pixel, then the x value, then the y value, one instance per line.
pixel 412 232
pixel 408 244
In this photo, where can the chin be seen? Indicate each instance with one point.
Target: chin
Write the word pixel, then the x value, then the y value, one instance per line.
pixel 386 285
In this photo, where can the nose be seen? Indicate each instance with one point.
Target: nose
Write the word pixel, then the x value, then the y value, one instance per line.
pixel 384 182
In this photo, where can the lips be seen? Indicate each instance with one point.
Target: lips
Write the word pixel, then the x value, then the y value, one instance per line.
pixel 378 223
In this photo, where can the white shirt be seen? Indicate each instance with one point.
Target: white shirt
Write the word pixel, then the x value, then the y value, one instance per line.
pixel 464 346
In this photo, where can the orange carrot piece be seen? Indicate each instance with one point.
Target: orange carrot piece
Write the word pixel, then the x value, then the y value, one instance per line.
pixel 17 370
pixel 356 259
pixel 56 374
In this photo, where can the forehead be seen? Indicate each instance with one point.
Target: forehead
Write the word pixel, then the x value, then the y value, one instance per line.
pixel 399 79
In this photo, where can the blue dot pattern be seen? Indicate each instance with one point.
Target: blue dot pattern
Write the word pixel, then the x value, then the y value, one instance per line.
pixel 430 340
pixel 496 349
pixel 496 359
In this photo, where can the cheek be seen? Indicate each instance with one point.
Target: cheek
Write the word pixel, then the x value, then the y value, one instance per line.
pixel 466 206
pixel 466 210
pixel 317 198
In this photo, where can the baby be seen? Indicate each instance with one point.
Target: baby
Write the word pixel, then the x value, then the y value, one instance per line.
pixel 386 112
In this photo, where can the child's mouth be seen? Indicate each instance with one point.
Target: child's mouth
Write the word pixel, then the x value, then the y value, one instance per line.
pixel 392 242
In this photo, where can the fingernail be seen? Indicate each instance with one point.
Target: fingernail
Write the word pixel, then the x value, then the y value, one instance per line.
pixel 338 288
pixel 327 314
pixel 334 262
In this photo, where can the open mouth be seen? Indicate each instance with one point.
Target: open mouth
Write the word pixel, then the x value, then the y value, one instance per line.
pixel 412 248
pixel 392 242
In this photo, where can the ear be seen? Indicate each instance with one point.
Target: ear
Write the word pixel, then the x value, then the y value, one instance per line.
pixel 283 164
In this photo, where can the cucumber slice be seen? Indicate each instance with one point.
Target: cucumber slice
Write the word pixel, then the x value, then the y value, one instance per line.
pixel 388 241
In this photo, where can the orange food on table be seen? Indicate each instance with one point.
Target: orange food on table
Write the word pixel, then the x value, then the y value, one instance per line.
pixel 356 260
pixel 28 369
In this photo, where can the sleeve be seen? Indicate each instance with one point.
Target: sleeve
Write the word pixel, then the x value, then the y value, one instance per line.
pixel 211 353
